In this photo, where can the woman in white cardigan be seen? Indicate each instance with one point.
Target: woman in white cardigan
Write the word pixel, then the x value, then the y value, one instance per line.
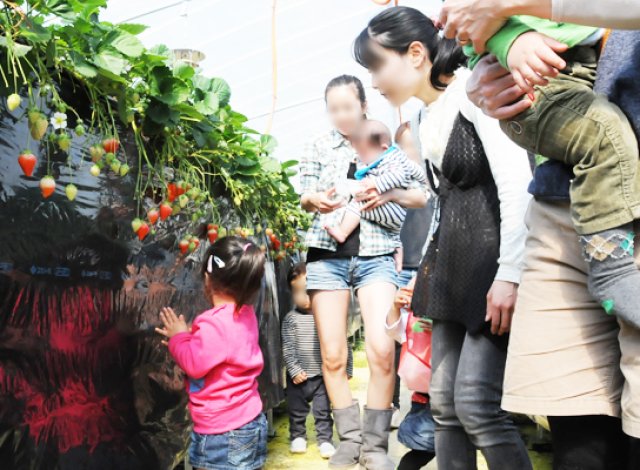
pixel 468 280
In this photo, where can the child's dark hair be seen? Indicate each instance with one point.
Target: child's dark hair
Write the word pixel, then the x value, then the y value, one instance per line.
pixel 297 270
pixel 347 80
pixel 396 28
pixel 235 266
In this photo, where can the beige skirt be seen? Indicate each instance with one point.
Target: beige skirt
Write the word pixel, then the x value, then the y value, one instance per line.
pixel 564 354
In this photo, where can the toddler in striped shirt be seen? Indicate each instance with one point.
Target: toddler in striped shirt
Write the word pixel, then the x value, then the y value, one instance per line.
pixel 383 166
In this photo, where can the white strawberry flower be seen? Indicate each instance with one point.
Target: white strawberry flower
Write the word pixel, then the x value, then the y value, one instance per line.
pixel 59 121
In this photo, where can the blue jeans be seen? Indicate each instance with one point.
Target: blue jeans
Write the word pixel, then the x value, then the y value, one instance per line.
pixel 244 448
pixel 405 276
pixel 417 430
pixel 466 391
pixel 356 272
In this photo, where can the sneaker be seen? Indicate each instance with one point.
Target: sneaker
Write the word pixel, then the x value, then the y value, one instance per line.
pixel 298 446
pixel 327 450
pixel 396 418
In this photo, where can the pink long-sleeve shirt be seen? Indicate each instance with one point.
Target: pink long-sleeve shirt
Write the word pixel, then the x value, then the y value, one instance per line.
pixel 222 359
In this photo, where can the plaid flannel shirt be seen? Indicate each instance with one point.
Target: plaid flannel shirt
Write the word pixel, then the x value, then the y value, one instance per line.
pixel 324 165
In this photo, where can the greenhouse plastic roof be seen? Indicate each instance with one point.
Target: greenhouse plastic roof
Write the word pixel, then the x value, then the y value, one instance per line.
pixel 314 39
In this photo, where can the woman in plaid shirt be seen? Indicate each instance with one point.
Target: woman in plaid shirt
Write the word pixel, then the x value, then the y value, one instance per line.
pixel 363 262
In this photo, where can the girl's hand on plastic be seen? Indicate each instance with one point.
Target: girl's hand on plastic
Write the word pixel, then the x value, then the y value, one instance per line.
pixel 534 56
pixel 173 324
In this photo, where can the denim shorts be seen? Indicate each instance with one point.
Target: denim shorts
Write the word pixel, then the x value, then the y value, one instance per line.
pixel 244 448
pixel 356 272
pixel 417 430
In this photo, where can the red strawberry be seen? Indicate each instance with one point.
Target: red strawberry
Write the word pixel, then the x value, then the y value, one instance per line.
pixel 276 244
pixel 212 234
pixel 184 246
pixel 195 241
pixel 111 145
pixel 212 226
pixel 153 215
pixel 143 231
pixel 27 162
pixel 172 192
pixel 181 188
pixel 165 211
pixel 47 186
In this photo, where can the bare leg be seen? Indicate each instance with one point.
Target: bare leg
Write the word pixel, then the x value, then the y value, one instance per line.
pixel 375 302
pixel 330 309
pixel 349 223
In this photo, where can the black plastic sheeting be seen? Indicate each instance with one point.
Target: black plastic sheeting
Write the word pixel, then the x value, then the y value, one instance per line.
pixel 84 380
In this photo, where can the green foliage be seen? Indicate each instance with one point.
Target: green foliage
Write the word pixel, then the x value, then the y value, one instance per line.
pixel 182 120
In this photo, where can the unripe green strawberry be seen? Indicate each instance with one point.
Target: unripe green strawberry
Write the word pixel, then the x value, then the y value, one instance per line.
pixel 13 101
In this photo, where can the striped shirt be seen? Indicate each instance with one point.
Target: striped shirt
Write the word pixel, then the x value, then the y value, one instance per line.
pixel 301 347
pixel 323 166
pixel 395 170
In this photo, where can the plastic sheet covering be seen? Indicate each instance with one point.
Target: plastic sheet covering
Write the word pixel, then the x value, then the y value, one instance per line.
pixel 84 380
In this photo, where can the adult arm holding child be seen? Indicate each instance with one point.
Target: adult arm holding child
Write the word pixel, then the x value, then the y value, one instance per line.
pixel 479 20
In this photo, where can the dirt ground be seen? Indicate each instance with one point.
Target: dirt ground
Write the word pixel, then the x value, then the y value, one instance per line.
pixel 280 459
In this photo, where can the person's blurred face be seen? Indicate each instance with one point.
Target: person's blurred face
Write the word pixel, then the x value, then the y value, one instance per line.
pixel 345 110
pixel 299 293
pixel 408 145
pixel 397 76
pixel 367 151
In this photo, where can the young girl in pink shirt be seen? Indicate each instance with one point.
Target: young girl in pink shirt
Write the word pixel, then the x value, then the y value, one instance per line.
pixel 222 359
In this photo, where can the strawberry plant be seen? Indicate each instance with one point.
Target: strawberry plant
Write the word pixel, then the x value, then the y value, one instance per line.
pixel 194 156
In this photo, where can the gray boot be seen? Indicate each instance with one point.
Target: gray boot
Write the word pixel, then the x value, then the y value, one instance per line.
pixel 375 440
pixel 350 433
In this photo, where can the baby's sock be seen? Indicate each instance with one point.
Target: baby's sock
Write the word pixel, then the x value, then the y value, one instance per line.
pixel 614 279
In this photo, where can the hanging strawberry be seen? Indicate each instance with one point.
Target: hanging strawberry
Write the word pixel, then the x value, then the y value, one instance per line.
pixel 172 192
pixel 183 200
pixel 71 191
pixel 181 188
pixel 64 142
pixel 80 130
pixel 115 166
pixel 96 153
pixel 111 145
pixel 38 124
pixel 47 186
pixel 165 211
pixel 94 170
pixel 124 169
pixel 195 241
pixel 13 101
pixel 153 215
pixel 143 231
pixel 136 224
pixel 212 234
pixel 110 158
pixel 184 246
pixel 27 162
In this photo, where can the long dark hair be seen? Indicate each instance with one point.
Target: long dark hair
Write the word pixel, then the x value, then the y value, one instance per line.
pixel 235 266
pixel 347 80
pixel 396 28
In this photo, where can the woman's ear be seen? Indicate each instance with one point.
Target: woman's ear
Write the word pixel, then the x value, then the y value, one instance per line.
pixel 365 109
pixel 417 54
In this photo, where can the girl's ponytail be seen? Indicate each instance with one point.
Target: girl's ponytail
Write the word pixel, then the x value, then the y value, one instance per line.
pixel 396 28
